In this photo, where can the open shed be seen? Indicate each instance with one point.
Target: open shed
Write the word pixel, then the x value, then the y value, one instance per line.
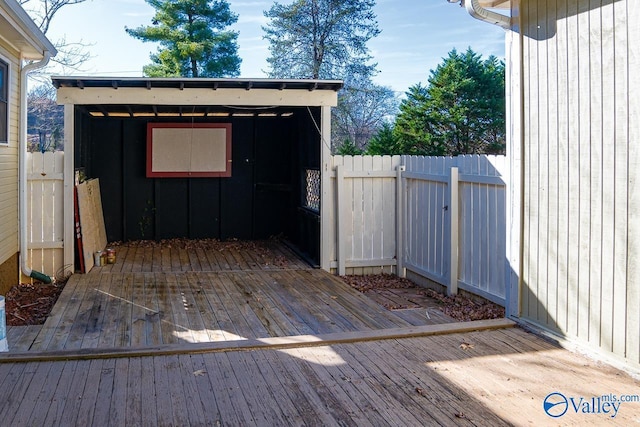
pixel 201 158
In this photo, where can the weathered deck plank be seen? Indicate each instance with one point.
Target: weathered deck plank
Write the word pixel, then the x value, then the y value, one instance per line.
pixel 112 310
pixel 118 414
pixel 123 321
pixel 105 390
pixel 164 403
pixel 21 338
pixel 90 394
pixel 152 321
pixel 31 386
pixel 235 410
pixel 165 311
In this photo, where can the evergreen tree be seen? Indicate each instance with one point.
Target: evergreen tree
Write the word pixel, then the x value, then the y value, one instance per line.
pixel 193 40
pixel 384 142
pixel 348 148
pixel 462 111
pixel 321 39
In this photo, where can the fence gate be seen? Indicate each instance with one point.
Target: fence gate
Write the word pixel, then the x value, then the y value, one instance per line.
pixel 455 222
pixel 45 204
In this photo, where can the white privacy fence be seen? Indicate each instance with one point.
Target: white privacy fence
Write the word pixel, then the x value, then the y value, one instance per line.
pixel 45 204
pixel 425 215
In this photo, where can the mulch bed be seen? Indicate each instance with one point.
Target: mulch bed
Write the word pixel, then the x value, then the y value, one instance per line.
pixel 459 306
pixel 30 304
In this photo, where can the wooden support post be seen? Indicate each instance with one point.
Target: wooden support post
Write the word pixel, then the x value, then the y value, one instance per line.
pixel 69 186
pixel 400 271
pixel 454 221
pixel 326 192
pixel 340 218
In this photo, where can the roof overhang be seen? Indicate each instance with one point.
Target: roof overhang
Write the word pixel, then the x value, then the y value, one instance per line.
pixel 20 33
pixel 496 4
pixel 195 91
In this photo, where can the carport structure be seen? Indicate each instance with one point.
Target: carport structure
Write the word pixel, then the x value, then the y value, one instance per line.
pixel 275 136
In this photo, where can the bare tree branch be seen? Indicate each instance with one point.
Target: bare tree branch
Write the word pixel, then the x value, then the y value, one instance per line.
pixel 43 11
pixel 71 55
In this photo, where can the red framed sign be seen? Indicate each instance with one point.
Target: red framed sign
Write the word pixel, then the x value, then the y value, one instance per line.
pixel 188 150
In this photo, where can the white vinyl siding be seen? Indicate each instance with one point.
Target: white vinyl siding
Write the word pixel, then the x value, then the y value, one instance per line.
pixel 581 171
pixel 9 164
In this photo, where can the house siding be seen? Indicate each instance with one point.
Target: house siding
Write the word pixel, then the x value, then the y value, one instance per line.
pixel 581 150
pixel 9 178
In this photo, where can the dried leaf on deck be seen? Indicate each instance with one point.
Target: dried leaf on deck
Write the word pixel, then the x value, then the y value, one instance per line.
pixel 466 346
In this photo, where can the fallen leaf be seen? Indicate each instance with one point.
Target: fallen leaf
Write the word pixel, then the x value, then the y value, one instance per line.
pixel 199 373
pixel 466 346
pixel 459 415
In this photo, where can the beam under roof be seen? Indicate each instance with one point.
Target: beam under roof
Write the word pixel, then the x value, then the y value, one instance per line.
pixel 196 91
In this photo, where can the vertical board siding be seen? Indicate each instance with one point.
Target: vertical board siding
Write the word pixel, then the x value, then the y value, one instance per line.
pixel 581 149
pixel 45 206
pixel 626 301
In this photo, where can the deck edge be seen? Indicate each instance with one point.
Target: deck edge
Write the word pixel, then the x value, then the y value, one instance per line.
pixel 270 343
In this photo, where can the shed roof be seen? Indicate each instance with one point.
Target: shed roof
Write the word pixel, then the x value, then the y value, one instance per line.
pixel 195 83
pixel 19 31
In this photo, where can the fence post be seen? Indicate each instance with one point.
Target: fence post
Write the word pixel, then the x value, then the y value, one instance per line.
pixel 454 220
pixel 400 271
pixel 340 218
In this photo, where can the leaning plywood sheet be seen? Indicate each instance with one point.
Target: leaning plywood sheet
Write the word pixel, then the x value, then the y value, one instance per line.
pixel 94 235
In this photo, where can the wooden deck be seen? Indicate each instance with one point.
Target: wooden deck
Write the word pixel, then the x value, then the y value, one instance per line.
pixel 160 295
pixel 177 337
pixel 489 378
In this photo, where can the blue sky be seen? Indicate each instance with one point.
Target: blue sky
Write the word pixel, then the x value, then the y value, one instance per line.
pixel 416 35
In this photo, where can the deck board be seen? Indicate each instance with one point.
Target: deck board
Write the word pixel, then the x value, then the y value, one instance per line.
pixel 105 391
pixel 90 394
pixel 164 403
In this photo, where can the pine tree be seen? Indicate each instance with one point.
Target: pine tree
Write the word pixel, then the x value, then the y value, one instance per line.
pixel 193 40
pixel 461 111
pixel 384 142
